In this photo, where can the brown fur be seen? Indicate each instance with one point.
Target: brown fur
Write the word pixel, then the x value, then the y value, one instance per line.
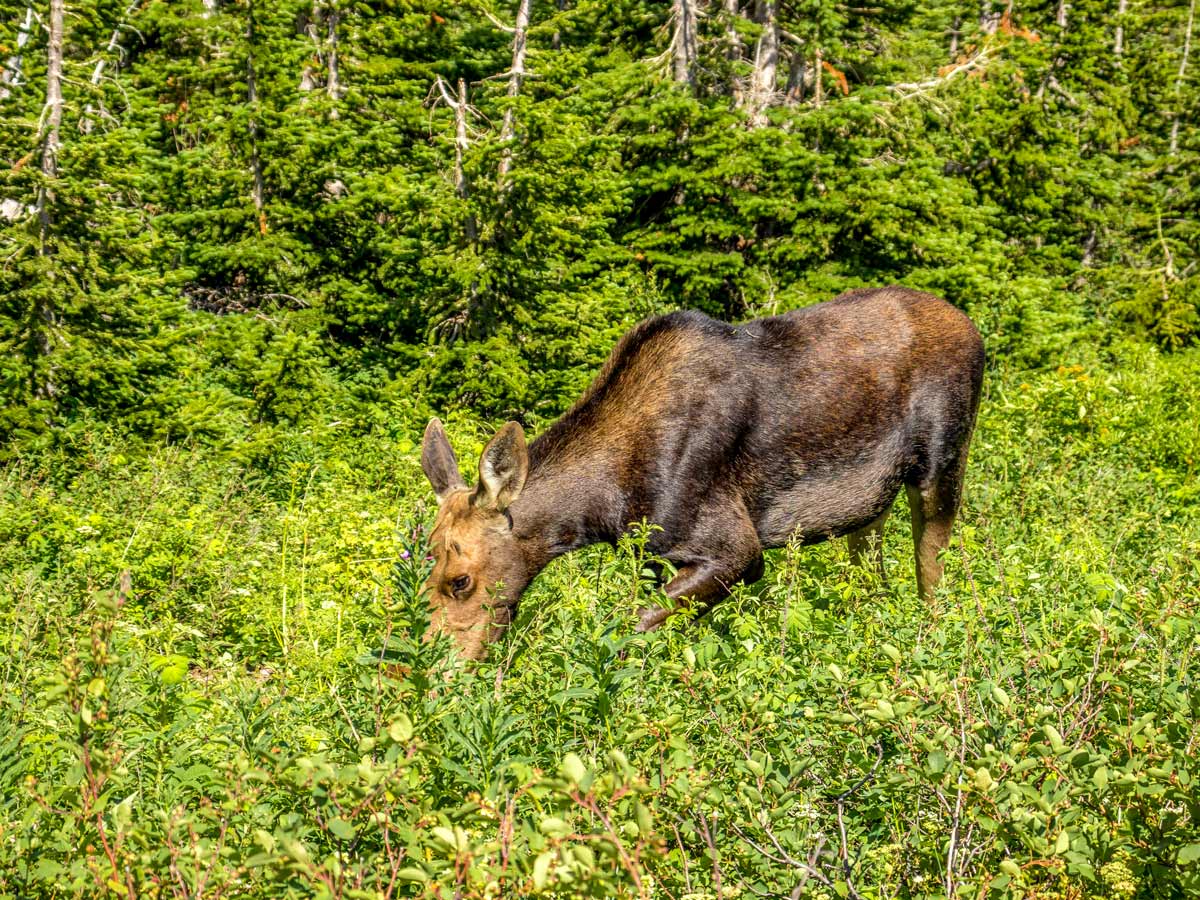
pixel 732 439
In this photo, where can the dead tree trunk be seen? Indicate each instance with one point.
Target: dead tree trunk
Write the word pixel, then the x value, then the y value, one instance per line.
pixel 1183 63
pixel 818 87
pixel 1119 40
pixel 683 43
pixel 51 122
pixel 766 62
pixel 333 82
pixel 52 114
pixel 516 76
pixel 797 82
pixel 113 48
pixel 11 76
pixel 461 143
pixel 733 50
pixel 989 21
pixel 258 189
pixel 955 34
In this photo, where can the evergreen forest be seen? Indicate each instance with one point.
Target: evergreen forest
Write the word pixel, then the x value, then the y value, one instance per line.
pixel 248 249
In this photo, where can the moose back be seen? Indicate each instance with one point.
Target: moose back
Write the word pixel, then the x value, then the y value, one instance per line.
pixel 732 439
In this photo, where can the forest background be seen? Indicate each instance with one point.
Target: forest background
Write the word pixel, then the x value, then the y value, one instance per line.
pixel 246 249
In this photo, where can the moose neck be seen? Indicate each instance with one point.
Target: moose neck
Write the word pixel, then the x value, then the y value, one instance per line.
pixel 571 499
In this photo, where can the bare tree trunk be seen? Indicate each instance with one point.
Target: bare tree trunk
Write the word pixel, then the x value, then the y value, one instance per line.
pixel 515 77
pixel 683 43
pixel 766 62
pixel 333 83
pixel 1119 40
pixel 556 38
pixel 54 95
pixel 734 49
pixel 797 77
pixel 85 123
pixel 955 34
pixel 308 75
pixel 989 21
pixel 1187 50
pixel 210 8
pixel 52 114
pixel 460 148
pixel 1089 249
pixel 818 87
pixel 1060 14
pixel 258 190
pixel 11 76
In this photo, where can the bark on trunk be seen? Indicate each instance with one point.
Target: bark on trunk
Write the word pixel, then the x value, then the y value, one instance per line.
pixel 766 62
pixel 1183 63
pixel 1089 249
pixel 989 21
pixel 955 34
pixel 683 43
pixel 11 76
pixel 1119 39
pixel 515 78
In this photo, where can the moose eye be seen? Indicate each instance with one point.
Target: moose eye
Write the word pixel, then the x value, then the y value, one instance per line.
pixel 460 585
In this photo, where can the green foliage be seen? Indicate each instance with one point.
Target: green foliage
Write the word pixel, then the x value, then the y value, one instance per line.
pixel 251 708
pixel 299 165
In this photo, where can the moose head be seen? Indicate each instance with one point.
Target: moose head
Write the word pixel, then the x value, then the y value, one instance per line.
pixel 479 569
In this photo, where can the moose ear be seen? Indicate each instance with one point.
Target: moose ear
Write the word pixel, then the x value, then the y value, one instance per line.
pixel 502 469
pixel 439 462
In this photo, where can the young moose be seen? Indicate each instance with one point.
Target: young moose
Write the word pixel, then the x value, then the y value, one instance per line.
pixel 732 438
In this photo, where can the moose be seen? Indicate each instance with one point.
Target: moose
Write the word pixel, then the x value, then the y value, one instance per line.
pixel 731 439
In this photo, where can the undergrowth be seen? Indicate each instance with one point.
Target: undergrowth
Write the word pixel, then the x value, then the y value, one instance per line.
pixel 214 684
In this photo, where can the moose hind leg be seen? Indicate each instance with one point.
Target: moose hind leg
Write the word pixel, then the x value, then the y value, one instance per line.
pixel 869 540
pixel 933 510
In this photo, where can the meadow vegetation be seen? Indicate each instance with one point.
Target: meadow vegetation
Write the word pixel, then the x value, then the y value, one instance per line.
pixel 247 250
pixel 218 723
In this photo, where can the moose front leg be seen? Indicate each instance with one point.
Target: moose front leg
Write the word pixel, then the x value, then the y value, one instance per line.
pixel 703 580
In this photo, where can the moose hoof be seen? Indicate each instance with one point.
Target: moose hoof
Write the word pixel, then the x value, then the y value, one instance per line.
pixel 651 617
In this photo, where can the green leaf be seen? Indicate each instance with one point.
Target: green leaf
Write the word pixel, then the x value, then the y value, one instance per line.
pixel 1188 854
pixel 573 769
pixel 401 729
pixel 342 829
pixel 541 870
pixel 554 826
